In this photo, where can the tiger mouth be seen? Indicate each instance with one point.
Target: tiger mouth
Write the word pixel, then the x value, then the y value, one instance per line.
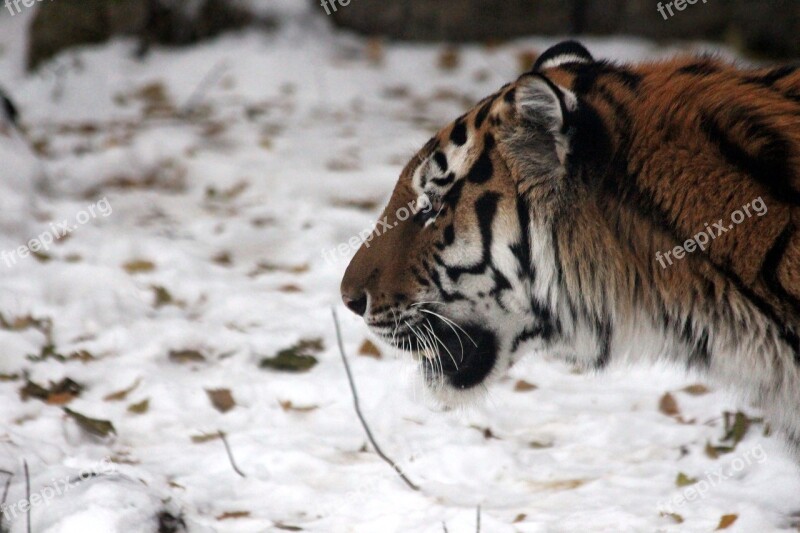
pixel 463 355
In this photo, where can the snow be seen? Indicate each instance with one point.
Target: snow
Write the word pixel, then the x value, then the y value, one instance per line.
pixel 233 208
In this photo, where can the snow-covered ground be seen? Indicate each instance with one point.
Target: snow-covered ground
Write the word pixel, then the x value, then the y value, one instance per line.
pixel 197 251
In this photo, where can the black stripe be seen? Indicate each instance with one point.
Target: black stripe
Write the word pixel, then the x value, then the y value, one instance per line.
pixel 772 77
pixel 769 167
pixel 604 333
pixel 702 68
pixel 441 160
pixel 483 112
pixel 458 135
pixel 772 262
pixel 485 211
pixel 444 181
pixel 482 169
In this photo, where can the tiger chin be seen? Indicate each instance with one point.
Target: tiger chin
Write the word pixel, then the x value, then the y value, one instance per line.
pixel 540 220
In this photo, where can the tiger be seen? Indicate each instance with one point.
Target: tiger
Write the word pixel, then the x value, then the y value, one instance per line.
pixel 545 213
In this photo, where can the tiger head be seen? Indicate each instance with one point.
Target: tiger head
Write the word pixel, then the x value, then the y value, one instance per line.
pixel 460 269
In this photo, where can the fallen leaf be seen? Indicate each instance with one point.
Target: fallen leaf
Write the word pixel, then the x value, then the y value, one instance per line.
pixel 668 405
pixel 139 408
pixel 286 527
pixel 675 516
pixel 519 518
pixel 715 451
pixel 100 428
pixel 122 394
pixel 374 51
pixel 290 288
pixel 727 521
pixel 138 266
pixel 60 393
pixel 232 515
pixel 287 405
pixel 297 358
pixel 221 399
pixel 200 439
pixel 162 296
pixel 186 356
pixel 682 480
pixel 223 259
pixel 696 390
pixel 524 386
pixel 736 427
pixel 368 349
pixel 449 58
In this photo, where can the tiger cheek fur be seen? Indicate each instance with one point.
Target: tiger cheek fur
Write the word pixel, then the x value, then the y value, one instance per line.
pixel 549 202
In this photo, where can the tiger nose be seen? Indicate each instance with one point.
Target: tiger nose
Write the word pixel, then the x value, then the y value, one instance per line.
pixel 357 302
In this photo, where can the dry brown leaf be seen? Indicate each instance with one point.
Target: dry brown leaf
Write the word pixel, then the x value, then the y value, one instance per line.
pixel 675 516
pixel 287 405
pixel 138 266
pixel 139 408
pixel 290 288
pixel 99 428
pixel 201 439
pixel 727 521
pixel 449 58
pixel 524 386
pixel 186 356
pixel 696 390
pixel 122 394
pixel 374 51
pixel 232 515
pixel 368 349
pixel 221 399
pixel 60 398
pixel 668 405
pixel 519 518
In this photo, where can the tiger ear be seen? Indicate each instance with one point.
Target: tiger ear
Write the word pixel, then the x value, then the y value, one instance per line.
pixel 547 106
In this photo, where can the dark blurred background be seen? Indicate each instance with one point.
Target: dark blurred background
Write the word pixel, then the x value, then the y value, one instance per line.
pixel 762 29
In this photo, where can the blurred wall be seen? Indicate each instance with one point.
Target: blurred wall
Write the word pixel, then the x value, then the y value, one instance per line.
pixel 765 27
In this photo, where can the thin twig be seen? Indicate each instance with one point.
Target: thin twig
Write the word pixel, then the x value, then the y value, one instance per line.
pixel 230 454
pixel 478 521
pixel 358 408
pixel 205 84
pixel 444 527
pixel 27 493
pixel 5 496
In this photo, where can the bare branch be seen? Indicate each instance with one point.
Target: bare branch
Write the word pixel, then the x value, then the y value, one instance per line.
pixel 9 475
pixel 358 408
pixel 230 455
pixel 27 493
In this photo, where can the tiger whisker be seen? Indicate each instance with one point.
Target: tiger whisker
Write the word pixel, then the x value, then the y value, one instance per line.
pixel 450 324
pixel 430 353
pixel 445 319
pixel 439 341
